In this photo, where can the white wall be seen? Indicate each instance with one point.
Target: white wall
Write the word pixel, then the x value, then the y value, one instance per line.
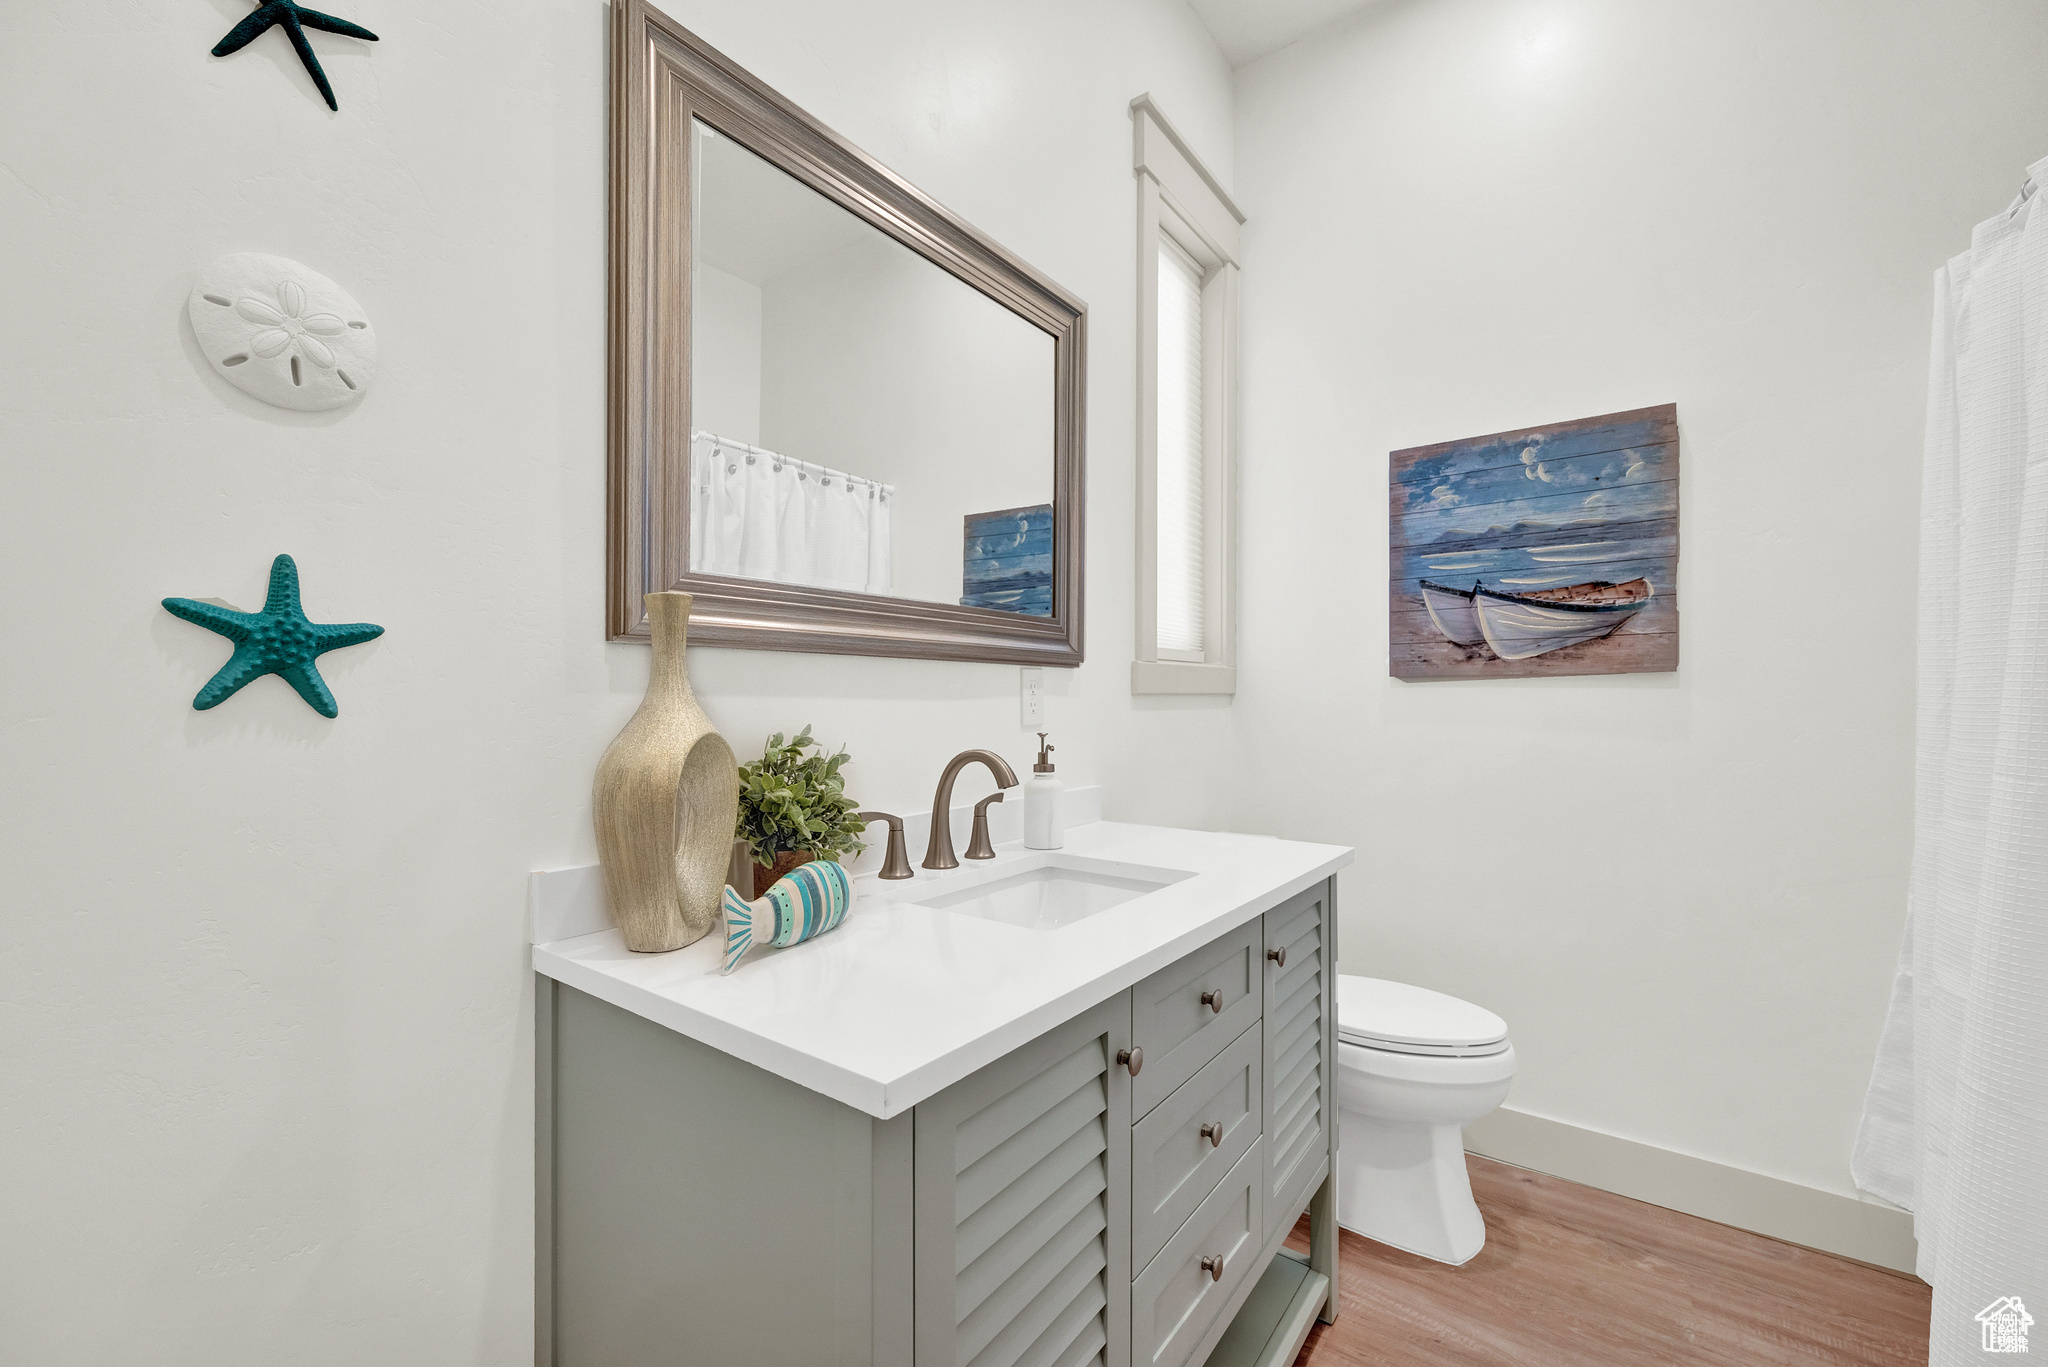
pixel 1683 891
pixel 725 354
pixel 266 1093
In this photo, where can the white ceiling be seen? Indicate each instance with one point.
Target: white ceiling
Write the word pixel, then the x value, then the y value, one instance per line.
pixel 1247 30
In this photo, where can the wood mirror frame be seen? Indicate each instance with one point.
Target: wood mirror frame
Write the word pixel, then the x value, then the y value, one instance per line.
pixel 662 77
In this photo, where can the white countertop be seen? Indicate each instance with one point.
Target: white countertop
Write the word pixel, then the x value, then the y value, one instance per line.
pixel 904 1000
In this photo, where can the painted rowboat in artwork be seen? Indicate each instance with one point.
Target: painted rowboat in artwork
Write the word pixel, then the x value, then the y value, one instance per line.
pixel 1451 610
pixel 1519 625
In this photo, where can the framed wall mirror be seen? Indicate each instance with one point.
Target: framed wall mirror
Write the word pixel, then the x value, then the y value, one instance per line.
pixel 843 418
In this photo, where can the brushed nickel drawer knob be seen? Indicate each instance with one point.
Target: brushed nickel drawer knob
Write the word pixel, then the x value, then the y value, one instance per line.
pixel 1213 999
pixel 1278 956
pixel 1213 1132
pixel 1132 1058
pixel 1213 1265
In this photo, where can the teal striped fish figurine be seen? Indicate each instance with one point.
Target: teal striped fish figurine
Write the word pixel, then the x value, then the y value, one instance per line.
pixel 803 904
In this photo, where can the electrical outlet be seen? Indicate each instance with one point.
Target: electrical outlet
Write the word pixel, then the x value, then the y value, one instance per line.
pixel 1031 695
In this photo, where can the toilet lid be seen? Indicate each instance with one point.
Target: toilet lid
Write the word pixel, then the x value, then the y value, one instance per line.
pixel 1388 1015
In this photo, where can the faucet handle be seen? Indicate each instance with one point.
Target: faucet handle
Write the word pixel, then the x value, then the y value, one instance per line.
pixel 978 846
pixel 895 863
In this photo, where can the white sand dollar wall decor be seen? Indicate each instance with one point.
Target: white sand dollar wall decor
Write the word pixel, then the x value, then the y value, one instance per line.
pixel 283 332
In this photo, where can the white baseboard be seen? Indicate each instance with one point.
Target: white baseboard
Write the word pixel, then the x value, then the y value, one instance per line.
pixel 1826 1220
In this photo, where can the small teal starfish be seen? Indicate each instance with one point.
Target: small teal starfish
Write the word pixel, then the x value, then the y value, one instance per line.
pixel 296 21
pixel 278 640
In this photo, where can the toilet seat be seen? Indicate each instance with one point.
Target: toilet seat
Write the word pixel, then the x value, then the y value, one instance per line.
pixel 1400 1018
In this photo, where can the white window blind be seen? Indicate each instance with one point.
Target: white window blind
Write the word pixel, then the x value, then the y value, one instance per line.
pixel 1181 544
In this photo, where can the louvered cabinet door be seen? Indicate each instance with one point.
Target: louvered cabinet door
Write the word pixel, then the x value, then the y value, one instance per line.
pixel 1023 1205
pixel 1300 997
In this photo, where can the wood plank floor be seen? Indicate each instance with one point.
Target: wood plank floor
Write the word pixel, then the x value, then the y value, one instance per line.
pixel 1584 1278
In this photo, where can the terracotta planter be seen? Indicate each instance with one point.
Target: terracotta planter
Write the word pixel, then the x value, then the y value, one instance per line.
pixel 764 879
pixel 666 797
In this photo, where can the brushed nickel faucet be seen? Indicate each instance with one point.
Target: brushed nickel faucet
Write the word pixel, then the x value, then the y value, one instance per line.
pixel 938 852
pixel 896 863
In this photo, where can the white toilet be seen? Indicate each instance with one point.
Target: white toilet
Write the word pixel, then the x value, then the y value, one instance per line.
pixel 1414 1068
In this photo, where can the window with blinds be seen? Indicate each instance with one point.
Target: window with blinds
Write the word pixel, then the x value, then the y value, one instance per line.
pixel 1182 548
pixel 1187 281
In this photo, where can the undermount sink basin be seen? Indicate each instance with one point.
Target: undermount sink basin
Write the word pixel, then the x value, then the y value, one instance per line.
pixel 1047 891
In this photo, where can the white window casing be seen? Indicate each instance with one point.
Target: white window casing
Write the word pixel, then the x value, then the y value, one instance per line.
pixel 1187 418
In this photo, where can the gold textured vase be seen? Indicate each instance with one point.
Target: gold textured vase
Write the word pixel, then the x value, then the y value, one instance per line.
pixel 666 797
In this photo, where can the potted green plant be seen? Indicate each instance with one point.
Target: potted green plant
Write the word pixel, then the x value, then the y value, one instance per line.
pixel 794 808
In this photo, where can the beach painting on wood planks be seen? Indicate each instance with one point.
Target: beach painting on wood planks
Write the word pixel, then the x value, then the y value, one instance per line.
pixel 1552 550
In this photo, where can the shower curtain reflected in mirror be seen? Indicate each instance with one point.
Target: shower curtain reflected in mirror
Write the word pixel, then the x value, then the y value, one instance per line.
pixel 757 514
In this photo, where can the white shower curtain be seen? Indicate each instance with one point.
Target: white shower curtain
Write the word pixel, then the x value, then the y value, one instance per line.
pixel 759 515
pixel 1955 1125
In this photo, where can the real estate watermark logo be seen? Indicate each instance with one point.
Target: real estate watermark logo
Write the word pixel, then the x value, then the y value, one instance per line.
pixel 2005 1323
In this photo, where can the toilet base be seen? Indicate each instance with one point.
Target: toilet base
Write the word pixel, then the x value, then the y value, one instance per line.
pixel 1403 1183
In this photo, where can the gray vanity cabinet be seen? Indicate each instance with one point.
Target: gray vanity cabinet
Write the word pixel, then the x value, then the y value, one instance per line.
pixel 1057 1208
pixel 1023 1204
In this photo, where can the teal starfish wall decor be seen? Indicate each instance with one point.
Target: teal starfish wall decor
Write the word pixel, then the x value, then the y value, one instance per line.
pixel 278 640
pixel 295 21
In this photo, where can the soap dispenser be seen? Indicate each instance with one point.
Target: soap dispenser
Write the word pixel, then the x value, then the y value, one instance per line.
pixel 1045 823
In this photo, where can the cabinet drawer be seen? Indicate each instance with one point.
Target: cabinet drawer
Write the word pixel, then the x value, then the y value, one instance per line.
pixel 1174 1165
pixel 1180 1032
pixel 1175 1301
